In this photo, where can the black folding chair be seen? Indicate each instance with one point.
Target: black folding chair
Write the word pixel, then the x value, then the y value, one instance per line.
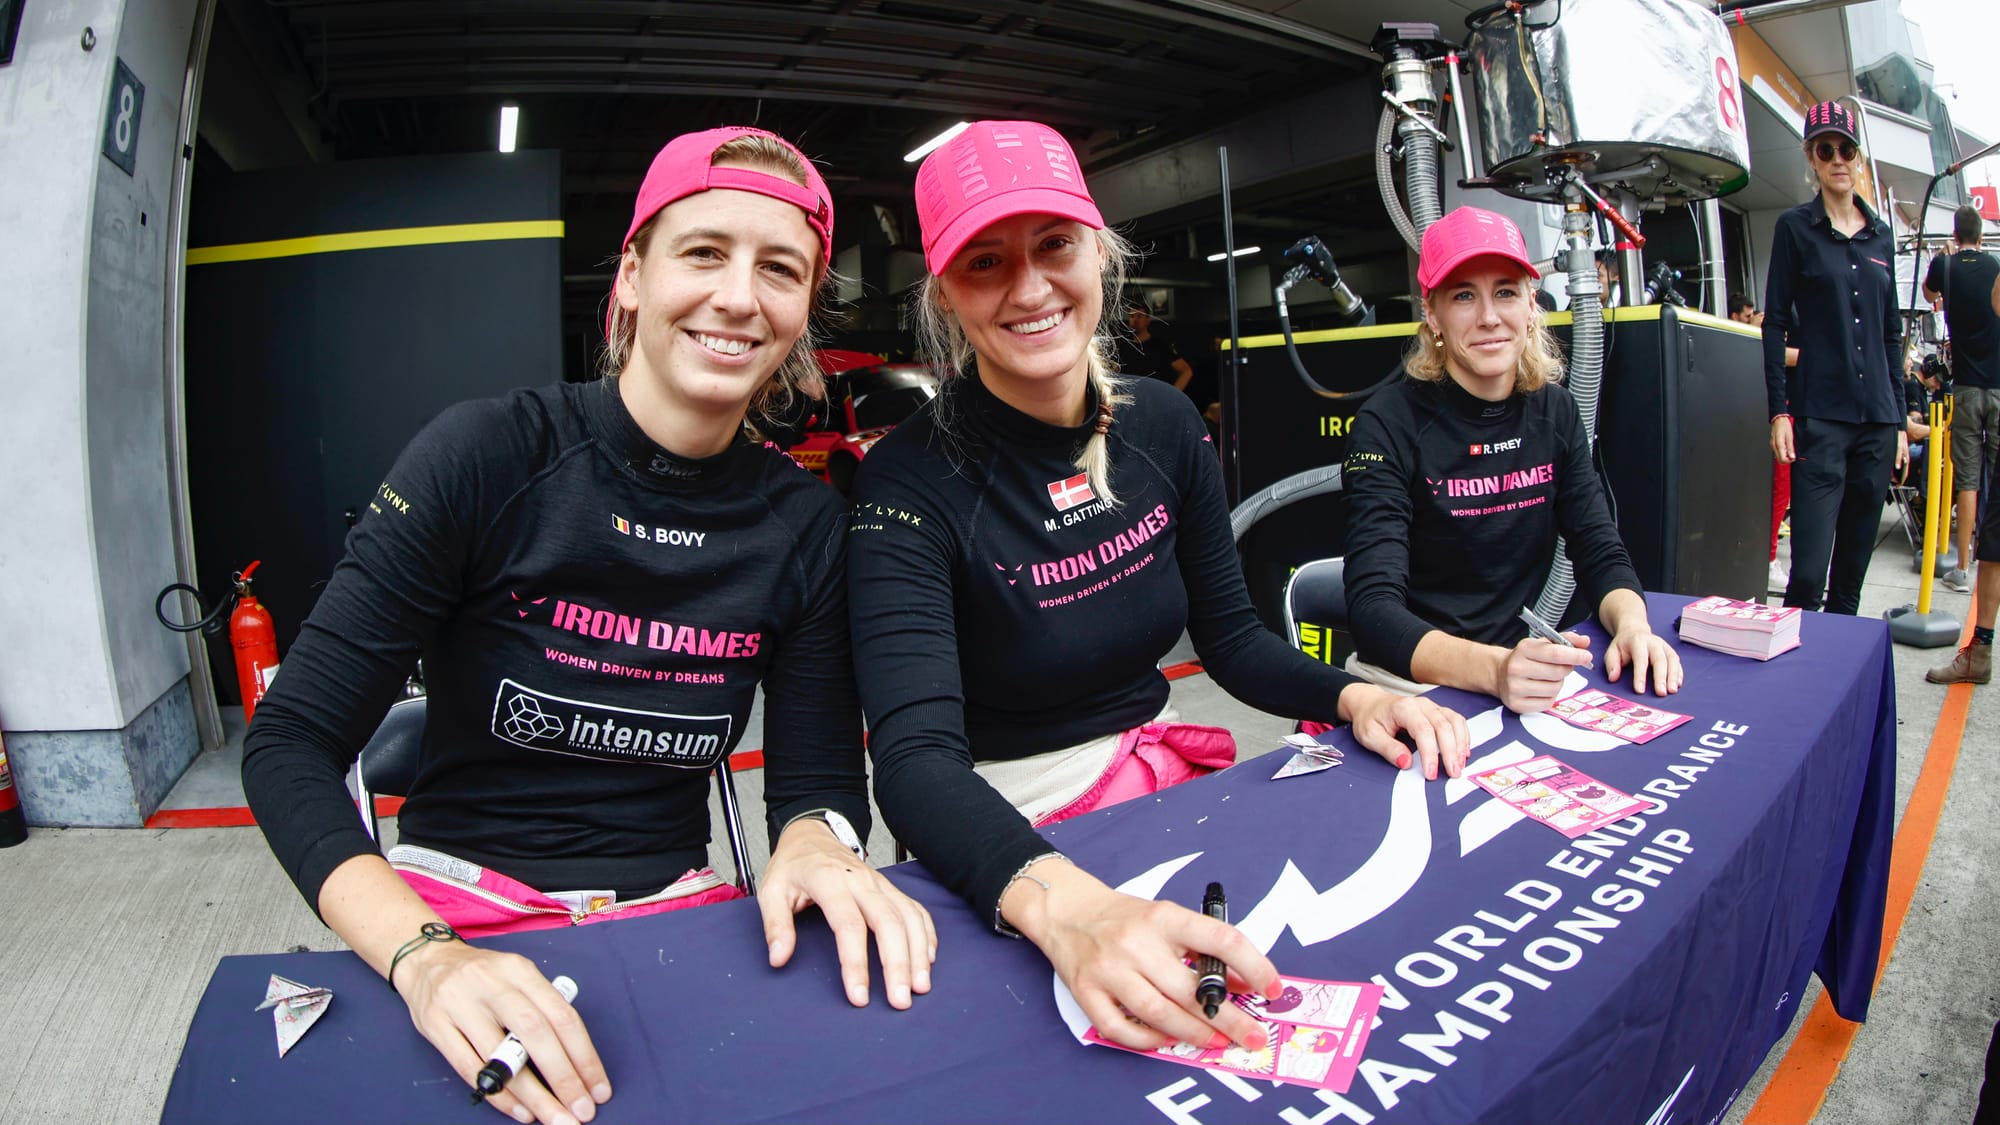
pixel 1316 606
pixel 1316 593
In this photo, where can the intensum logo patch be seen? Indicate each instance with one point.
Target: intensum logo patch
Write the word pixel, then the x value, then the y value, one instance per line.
pixel 536 720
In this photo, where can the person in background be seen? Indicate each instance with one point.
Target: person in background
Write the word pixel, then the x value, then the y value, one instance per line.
pixel 1149 352
pixel 1839 416
pixel 1611 291
pixel 1744 311
pixel 525 545
pixel 1967 283
pixel 1921 388
pixel 1023 553
pixel 1975 430
pixel 1461 477
pixel 1974 663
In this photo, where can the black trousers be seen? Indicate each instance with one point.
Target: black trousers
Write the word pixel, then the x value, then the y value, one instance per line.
pixel 1838 485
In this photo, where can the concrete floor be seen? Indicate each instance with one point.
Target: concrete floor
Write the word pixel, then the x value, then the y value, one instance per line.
pixel 109 936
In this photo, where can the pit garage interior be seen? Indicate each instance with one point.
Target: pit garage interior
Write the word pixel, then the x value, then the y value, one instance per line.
pixel 385 116
pixel 292 378
pixel 327 116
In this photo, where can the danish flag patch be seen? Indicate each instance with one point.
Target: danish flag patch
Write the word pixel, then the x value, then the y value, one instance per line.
pixel 1067 494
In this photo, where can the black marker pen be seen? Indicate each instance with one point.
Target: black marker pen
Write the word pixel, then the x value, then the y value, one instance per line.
pixel 1212 989
pixel 506 1060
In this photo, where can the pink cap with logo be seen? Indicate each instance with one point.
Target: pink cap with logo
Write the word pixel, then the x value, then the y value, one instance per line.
pixel 1465 234
pixel 992 171
pixel 686 167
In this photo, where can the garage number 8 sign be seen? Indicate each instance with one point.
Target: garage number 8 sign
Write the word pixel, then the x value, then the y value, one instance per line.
pixel 121 117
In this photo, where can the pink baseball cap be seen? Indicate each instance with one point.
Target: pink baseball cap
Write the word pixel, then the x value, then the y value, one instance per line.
pixel 995 170
pixel 686 166
pixel 1463 235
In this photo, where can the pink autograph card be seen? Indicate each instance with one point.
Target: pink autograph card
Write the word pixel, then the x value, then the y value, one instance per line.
pixel 1570 802
pixel 1597 710
pixel 1316 1031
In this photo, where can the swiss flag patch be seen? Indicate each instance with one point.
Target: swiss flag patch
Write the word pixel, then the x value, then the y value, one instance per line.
pixel 1067 494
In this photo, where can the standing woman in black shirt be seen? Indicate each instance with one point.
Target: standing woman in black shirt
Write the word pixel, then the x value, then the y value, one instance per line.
pixel 1831 279
pixel 1023 553
pixel 598 577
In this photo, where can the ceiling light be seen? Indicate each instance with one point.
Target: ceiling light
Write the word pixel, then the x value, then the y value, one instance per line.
pixel 1239 253
pixel 510 120
pixel 923 150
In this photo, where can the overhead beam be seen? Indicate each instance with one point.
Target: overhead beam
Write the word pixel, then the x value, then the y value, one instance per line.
pixel 1319 129
pixel 516 44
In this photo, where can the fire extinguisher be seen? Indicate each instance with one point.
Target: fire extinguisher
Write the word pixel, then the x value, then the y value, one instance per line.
pixel 13 823
pixel 255 640
pixel 251 634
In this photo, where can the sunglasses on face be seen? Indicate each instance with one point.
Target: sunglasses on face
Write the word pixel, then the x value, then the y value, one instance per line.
pixel 1826 150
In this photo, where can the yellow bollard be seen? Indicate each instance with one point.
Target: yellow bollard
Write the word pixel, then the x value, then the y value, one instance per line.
pixel 1947 502
pixel 1934 474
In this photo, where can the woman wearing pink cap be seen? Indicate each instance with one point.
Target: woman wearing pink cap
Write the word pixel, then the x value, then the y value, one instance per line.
pixel 1459 480
pixel 1023 554
pixel 598 577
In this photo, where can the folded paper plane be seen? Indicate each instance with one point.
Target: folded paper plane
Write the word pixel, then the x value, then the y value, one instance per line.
pixel 294 1008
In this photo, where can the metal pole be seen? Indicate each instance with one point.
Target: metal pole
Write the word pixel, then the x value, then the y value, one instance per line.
pixel 1712 269
pixel 1235 413
pixel 1631 264
pixel 201 680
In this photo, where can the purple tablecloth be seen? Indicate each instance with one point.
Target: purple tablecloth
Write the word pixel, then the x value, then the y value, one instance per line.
pixel 1637 974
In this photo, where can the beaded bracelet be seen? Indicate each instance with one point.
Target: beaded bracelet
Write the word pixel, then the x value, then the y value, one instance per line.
pixel 431 931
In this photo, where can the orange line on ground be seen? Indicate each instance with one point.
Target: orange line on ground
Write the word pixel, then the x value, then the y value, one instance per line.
pixel 1799 1086
pixel 1183 670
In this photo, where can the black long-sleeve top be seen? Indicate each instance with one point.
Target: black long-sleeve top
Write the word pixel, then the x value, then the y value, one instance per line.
pixel 1836 295
pixel 1967 280
pixel 594 614
pixel 1000 610
pixel 1453 508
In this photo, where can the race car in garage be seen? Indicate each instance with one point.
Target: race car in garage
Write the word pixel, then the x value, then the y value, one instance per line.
pixel 865 399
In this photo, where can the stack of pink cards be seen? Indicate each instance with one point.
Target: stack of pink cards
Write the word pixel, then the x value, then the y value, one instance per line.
pixel 1315 1032
pixel 1566 800
pixel 1749 629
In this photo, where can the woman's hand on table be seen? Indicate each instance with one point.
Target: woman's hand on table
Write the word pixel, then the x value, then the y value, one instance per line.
pixel 466 999
pixel 810 867
pixel 1126 959
pixel 1636 646
pixel 1391 725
